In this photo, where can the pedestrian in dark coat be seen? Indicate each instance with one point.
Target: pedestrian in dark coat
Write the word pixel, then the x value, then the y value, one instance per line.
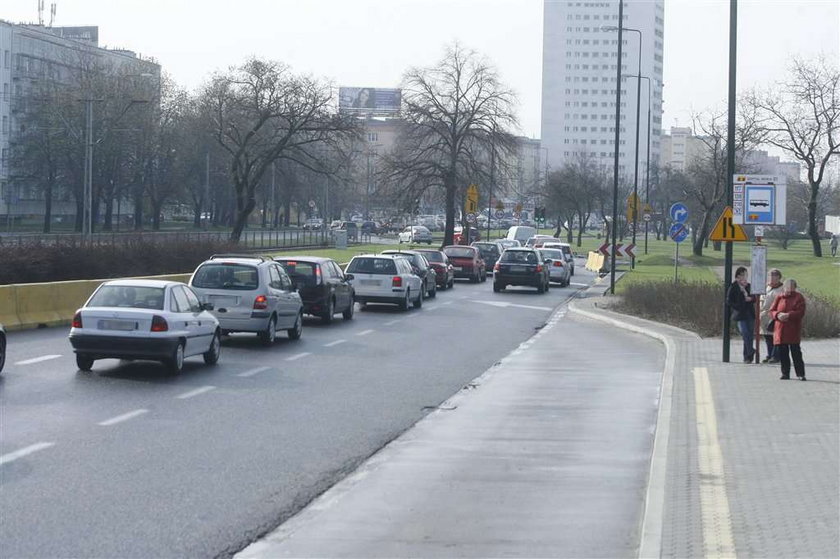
pixel 788 310
pixel 743 310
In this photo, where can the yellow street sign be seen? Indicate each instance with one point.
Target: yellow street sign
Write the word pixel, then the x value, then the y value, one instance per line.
pixel 500 205
pixel 632 206
pixel 471 206
pixel 472 193
pixel 726 230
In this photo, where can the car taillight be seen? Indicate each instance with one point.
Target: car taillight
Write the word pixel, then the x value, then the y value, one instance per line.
pixel 261 302
pixel 558 263
pixel 539 267
pixel 159 324
pixel 317 275
pixel 396 281
pixel 77 320
pixel 497 267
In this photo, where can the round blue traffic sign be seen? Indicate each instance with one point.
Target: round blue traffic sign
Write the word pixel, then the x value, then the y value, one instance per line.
pixel 500 214
pixel 679 213
pixel 678 232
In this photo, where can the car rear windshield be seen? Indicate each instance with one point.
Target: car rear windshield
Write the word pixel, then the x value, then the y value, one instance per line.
pixel 487 249
pixel 226 276
pixel 456 252
pixel 304 273
pixel 554 254
pixel 128 296
pixel 522 256
pixel 433 256
pixel 372 266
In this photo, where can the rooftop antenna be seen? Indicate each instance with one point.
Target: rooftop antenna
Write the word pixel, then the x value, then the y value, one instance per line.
pixel 52 13
pixel 40 12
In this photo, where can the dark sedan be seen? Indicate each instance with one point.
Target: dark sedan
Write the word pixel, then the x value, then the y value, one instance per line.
pixel 490 252
pixel 323 287
pixel 444 273
pixel 521 266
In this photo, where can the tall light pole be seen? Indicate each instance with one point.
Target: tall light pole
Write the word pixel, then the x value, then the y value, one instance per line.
pixel 730 166
pixel 647 158
pixel 615 146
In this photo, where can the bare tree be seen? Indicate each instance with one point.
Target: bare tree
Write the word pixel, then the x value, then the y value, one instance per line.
pixel 574 193
pixel 261 113
pixel 455 113
pixel 801 116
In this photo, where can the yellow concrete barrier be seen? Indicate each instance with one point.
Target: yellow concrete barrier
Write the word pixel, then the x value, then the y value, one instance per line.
pixel 595 262
pixel 35 305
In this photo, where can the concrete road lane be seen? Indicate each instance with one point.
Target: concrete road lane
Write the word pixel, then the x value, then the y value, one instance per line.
pixel 128 461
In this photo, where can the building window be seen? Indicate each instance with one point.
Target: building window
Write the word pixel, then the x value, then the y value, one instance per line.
pixel 5 128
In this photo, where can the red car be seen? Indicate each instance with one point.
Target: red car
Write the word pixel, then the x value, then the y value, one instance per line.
pixel 467 262
pixel 444 272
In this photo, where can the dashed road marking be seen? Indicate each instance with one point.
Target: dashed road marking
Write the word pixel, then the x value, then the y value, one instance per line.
pixel 12 456
pixel 365 332
pixel 298 356
pixel 335 343
pixel 195 392
pixel 252 372
pixel 714 503
pixel 38 359
pixel 392 322
pixel 123 417
pixel 446 303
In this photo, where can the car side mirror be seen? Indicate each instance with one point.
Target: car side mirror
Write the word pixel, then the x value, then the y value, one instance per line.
pixel 207 306
pixel 349 277
pixel 548 261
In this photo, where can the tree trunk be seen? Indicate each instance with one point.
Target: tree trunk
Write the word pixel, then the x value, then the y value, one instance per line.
pixel 197 216
pixel 449 230
pixel 245 204
pixel 48 203
pixel 700 235
pixel 813 232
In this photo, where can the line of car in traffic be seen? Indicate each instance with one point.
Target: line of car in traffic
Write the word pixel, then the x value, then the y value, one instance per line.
pixel 170 321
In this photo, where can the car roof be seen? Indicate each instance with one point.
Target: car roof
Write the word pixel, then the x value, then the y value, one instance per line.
pixel 375 256
pixel 399 251
pixel 521 249
pixel 318 259
pixel 139 282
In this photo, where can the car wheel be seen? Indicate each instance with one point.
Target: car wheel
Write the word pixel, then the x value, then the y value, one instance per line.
pixel 83 362
pixel 296 330
pixel 541 288
pixel 211 356
pixel 451 283
pixel 175 364
pixel 348 313
pixel 327 317
pixel 484 276
pixel 403 305
pixel 433 294
pixel 429 242
pixel 496 287
pixel 419 302
pixel 474 279
pixel 269 335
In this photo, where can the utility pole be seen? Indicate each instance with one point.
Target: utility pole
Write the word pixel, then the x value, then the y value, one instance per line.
pixel 207 203
pixel 87 213
pixel 615 146
pixel 492 180
pixel 730 167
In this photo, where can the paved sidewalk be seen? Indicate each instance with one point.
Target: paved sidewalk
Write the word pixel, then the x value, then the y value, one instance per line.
pixel 742 464
pixel 768 485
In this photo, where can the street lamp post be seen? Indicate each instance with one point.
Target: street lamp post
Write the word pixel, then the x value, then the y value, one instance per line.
pixel 647 157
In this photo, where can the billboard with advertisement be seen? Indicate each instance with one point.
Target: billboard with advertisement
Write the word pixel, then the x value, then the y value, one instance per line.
pixel 374 100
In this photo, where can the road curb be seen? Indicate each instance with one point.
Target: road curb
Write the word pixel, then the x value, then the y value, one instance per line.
pixel 650 544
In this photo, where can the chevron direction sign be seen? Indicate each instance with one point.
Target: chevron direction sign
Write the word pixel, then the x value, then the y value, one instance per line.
pixel 620 250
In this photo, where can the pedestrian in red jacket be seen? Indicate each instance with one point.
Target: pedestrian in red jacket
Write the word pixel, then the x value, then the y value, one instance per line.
pixel 788 310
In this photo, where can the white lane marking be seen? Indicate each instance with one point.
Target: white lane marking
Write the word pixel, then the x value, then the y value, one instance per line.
pixel 514 305
pixel 447 303
pixel 579 284
pixel 12 456
pixel 195 392
pixel 37 359
pixel 392 322
pixel 335 343
pixel 298 356
pixel 365 332
pixel 123 417
pixel 252 372
pixel 714 503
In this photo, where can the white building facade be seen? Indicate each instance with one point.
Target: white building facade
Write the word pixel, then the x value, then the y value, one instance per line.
pixel 580 48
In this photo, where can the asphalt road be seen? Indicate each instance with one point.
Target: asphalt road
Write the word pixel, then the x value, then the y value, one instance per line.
pixel 127 461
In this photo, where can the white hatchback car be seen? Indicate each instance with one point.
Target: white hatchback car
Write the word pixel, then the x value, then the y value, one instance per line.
pixel 567 254
pixel 144 319
pixel 385 278
pixel 558 269
pixel 416 234
pixel 250 294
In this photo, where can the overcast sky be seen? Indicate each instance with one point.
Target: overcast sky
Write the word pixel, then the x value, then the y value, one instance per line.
pixel 372 42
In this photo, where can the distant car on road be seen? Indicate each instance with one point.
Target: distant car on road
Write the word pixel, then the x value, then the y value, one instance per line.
pixel 351 227
pixel 2 347
pixel 567 253
pixel 490 253
pixel 416 234
pixel 421 267
pixel 521 266
pixel 385 278
pixel 458 237
pixel 369 228
pixel 314 223
pixel 145 319
pixel 466 262
pixel 444 273
pixel 250 294
pixel 559 270
pixel 324 288
pixel 505 244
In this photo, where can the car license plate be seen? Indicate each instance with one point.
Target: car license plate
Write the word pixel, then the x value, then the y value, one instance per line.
pixel 123 325
pixel 222 302
pixel 457 268
pixel 518 268
pixel 370 282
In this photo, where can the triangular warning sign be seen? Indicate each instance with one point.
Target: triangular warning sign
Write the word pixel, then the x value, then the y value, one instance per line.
pixel 726 230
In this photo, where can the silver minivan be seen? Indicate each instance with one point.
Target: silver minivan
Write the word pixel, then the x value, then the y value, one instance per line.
pixel 250 294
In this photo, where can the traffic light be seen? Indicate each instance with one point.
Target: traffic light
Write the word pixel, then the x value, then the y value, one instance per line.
pixel 539 213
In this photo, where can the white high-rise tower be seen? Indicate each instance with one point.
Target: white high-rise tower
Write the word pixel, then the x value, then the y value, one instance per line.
pixel 580 41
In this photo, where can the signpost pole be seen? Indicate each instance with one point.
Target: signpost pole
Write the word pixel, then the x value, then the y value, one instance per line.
pixel 676 260
pixel 730 166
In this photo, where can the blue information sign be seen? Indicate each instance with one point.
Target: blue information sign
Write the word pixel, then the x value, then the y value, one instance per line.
pixel 678 232
pixel 679 213
pixel 760 206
